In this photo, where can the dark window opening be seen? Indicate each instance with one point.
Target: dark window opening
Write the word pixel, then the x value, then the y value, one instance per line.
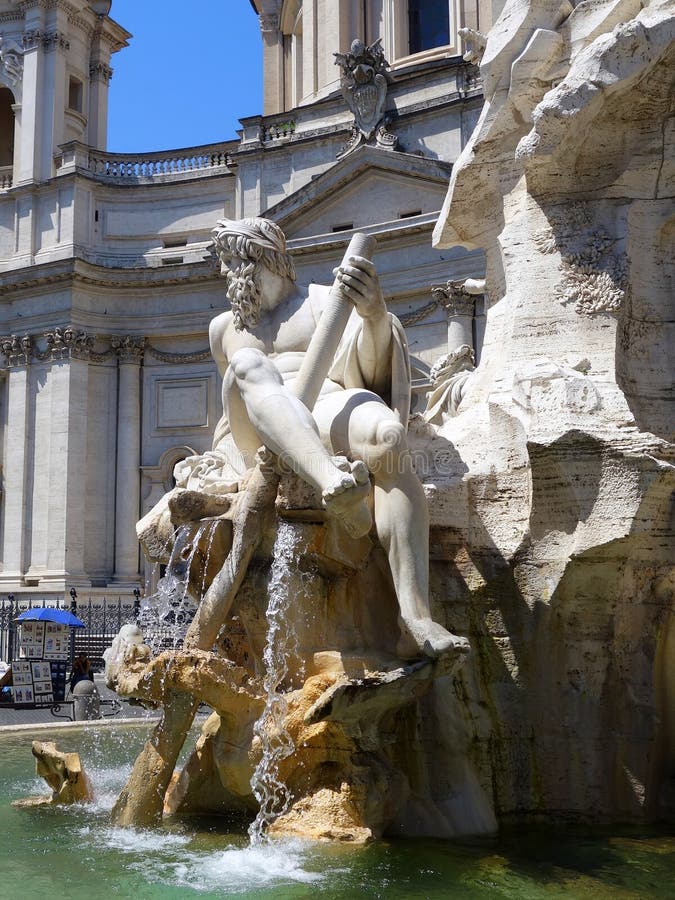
pixel 346 227
pixel 409 215
pixel 428 24
pixel 6 127
pixel 175 242
pixel 75 94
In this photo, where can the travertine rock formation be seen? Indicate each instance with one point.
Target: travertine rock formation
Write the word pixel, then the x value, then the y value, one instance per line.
pixel 556 500
pixel 63 773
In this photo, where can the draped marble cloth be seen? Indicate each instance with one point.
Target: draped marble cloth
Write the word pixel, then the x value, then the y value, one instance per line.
pixel 220 470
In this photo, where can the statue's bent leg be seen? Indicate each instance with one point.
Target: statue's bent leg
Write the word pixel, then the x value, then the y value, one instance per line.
pixel 262 410
pixel 362 426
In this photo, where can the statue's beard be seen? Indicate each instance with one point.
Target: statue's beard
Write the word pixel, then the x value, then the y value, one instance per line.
pixel 244 295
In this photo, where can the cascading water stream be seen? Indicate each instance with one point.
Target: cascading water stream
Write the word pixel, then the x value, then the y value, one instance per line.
pixel 272 794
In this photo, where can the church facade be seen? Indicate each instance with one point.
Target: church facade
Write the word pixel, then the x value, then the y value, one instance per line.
pixel 107 276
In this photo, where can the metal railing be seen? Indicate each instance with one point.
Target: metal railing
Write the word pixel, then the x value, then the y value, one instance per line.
pixel 102 618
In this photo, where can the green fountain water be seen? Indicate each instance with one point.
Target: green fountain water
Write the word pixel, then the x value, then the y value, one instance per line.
pixel 74 852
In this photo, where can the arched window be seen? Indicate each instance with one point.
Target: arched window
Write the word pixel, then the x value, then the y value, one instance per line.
pixel 428 24
pixel 7 101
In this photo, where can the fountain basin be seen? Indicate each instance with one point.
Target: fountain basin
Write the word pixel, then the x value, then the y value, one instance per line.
pixel 74 852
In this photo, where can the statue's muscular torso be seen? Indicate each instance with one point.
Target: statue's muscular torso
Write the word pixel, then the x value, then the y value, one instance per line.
pixel 283 334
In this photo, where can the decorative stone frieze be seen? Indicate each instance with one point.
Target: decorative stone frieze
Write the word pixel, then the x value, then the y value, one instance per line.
pixel 11 60
pixel 196 356
pixel 99 71
pixel 17 350
pixel 129 348
pixel 363 80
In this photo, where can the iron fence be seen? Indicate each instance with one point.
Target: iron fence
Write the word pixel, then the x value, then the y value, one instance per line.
pixel 102 619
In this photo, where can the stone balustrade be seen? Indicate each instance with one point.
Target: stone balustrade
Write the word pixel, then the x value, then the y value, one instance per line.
pixel 168 164
pixel 273 131
pixel 5 178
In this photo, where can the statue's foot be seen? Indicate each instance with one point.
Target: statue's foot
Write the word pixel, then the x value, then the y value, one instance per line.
pixel 347 499
pixel 424 637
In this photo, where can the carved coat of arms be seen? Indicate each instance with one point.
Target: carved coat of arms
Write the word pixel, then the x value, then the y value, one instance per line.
pixel 363 80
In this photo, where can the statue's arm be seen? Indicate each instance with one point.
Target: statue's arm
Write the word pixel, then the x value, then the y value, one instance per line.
pixel 217 329
pixel 362 286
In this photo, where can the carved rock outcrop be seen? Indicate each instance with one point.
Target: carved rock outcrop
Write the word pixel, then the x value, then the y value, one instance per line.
pixel 557 509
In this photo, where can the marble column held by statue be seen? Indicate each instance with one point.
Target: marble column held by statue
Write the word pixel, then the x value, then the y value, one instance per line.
pixel 127 487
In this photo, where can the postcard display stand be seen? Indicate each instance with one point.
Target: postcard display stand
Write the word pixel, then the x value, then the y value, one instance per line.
pixel 39 676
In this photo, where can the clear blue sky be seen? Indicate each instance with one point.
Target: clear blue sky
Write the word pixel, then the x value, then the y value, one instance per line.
pixel 190 72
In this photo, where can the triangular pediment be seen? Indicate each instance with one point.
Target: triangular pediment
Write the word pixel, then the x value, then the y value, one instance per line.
pixel 367 187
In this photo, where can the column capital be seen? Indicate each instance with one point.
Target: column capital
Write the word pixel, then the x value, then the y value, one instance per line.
pixel 269 22
pixel 454 298
pixel 99 71
pixel 56 40
pixel 129 348
pixel 16 350
pixel 66 343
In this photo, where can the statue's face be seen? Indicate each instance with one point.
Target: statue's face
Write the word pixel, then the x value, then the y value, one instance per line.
pixel 243 289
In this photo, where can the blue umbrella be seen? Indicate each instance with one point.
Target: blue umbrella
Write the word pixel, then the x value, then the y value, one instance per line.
pixel 51 614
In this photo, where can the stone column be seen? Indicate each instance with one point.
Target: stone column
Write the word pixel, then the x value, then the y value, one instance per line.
pixel 128 474
pixel 459 306
pixel 273 61
pixel 56 46
pixel 32 99
pixel 17 353
pixel 100 74
pixel 59 462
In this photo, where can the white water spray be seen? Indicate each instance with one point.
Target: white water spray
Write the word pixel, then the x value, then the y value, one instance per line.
pixel 272 794
pixel 166 615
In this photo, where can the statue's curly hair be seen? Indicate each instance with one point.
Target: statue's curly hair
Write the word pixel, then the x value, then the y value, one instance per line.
pixel 256 240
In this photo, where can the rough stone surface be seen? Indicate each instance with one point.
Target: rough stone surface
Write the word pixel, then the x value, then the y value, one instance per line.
pixel 556 510
pixel 63 773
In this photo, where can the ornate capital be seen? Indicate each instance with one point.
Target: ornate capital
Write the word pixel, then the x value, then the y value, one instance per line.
pixel 99 71
pixel 129 348
pixel 33 39
pixel 17 350
pixel 454 299
pixel 56 40
pixel 66 343
pixel 269 22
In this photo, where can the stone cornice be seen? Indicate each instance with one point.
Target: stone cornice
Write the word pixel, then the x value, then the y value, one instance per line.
pixel 78 271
